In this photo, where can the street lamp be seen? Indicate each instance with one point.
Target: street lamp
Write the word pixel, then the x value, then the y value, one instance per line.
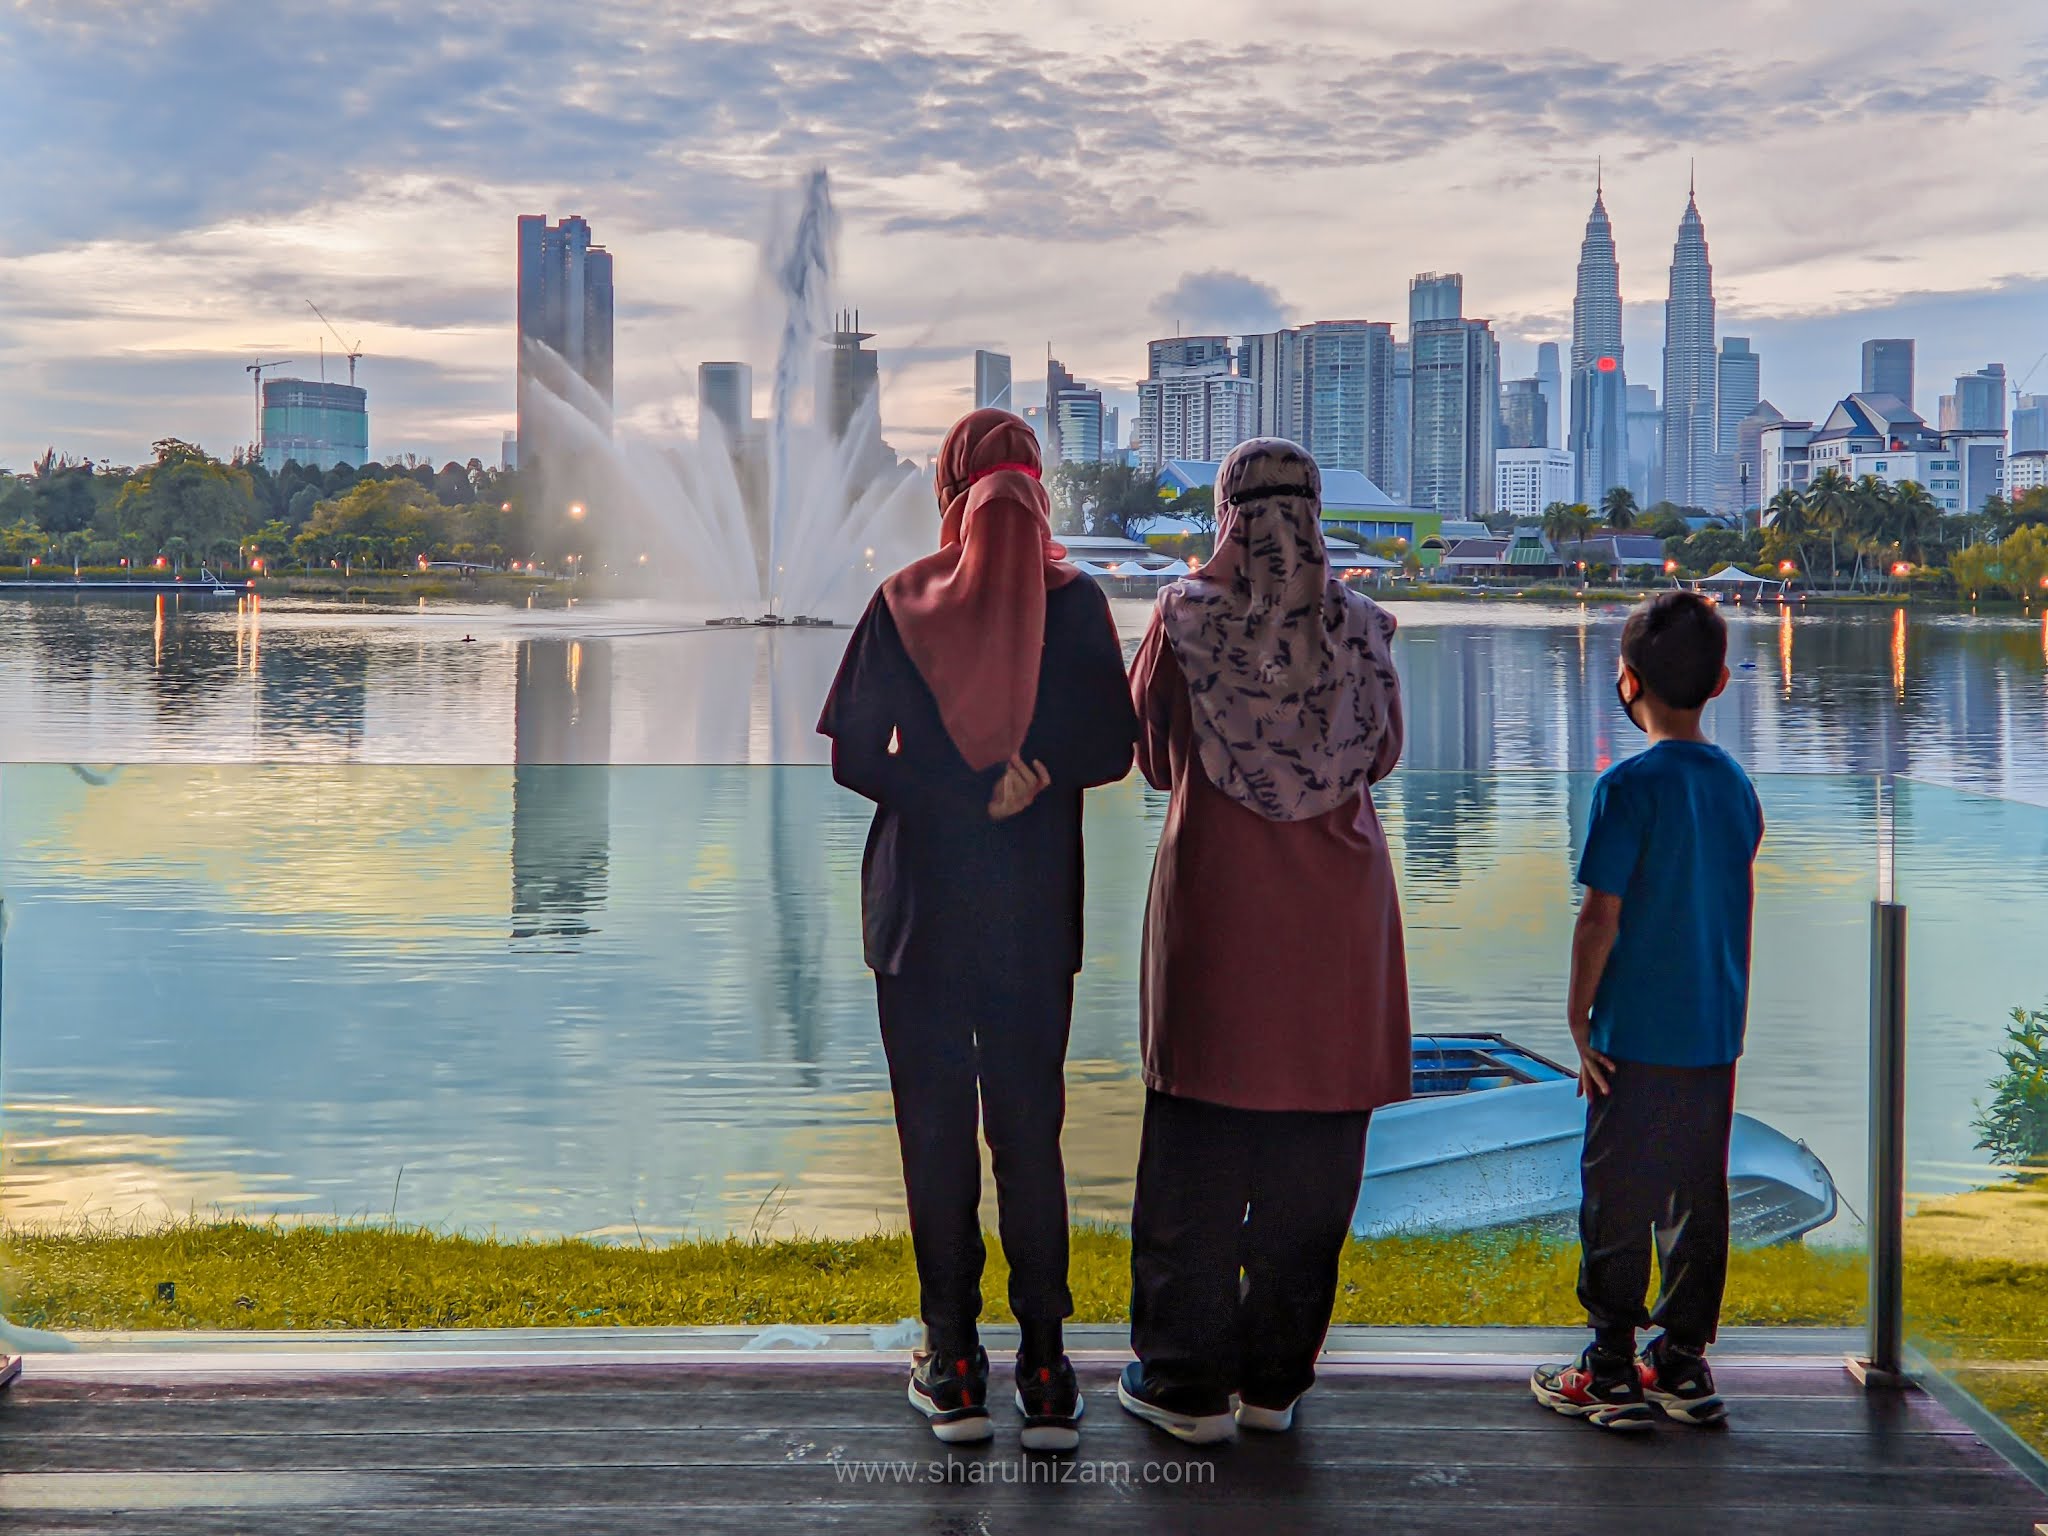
pixel 576 509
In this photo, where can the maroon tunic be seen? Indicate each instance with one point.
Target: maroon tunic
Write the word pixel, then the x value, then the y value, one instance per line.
pixel 1274 975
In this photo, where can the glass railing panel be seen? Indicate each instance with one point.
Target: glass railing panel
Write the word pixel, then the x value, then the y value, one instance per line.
pixel 627 1005
pixel 1970 873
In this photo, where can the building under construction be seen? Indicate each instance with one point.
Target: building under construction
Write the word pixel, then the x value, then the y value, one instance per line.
pixel 314 424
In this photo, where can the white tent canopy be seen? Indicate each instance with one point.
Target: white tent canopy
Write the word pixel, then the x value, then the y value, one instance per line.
pixel 1729 576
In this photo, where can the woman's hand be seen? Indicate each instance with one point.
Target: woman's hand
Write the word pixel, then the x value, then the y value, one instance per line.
pixel 1018 787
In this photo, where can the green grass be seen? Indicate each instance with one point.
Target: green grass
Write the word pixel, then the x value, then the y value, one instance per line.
pixel 1985 1320
pixel 257 1275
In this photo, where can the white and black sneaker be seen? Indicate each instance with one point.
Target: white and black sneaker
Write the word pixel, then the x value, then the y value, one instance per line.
pixel 1050 1400
pixel 952 1392
pixel 1194 1428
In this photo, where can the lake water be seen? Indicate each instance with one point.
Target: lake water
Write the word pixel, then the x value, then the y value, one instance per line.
pixel 341 911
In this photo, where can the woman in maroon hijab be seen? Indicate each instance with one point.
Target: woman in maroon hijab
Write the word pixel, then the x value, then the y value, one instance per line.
pixel 982 692
pixel 1275 993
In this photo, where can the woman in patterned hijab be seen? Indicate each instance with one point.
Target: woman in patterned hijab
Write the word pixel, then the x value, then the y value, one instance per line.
pixel 1275 991
pixel 1287 666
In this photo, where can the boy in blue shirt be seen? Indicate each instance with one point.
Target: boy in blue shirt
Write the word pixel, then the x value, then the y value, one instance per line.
pixel 1659 997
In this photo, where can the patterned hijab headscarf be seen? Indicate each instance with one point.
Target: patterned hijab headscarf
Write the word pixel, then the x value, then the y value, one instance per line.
pixel 972 614
pixel 1289 670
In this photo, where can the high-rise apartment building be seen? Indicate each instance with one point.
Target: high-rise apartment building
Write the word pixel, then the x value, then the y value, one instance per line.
pixel 1401 425
pixel 992 381
pixel 1198 414
pixel 1888 369
pixel 1347 369
pixel 1186 352
pixel 1524 415
pixel 2029 425
pixel 1551 376
pixel 1456 410
pixel 1599 382
pixel 1272 361
pixel 565 305
pixel 1738 389
pixel 1692 428
pixel 1978 405
pixel 1077 425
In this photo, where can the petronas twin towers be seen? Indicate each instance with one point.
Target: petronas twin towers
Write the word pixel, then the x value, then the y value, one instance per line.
pixel 1599 432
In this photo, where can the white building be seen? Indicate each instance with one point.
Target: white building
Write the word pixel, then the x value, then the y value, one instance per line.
pixel 1526 480
pixel 1783 448
pixel 1199 413
pixel 2025 472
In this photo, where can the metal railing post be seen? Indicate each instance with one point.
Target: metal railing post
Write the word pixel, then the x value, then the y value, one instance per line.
pixel 1883 1364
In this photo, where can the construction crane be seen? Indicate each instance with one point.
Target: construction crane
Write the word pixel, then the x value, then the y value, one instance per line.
pixel 257 370
pixel 347 351
pixel 2020 389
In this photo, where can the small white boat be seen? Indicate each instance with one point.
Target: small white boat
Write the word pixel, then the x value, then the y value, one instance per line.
pixel 1492 1139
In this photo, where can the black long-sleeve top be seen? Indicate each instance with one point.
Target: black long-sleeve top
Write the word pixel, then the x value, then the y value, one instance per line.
pixel 941 882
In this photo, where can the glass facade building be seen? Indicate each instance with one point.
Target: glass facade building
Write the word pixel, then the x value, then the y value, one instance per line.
pixel 317 425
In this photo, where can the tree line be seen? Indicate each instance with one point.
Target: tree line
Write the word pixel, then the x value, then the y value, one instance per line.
pixel 186 508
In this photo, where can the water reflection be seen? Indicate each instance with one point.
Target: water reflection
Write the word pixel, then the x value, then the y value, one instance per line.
pixel 1492 684
pixel 561 815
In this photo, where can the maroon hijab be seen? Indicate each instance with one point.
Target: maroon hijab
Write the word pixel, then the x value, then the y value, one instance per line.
pixel 972 614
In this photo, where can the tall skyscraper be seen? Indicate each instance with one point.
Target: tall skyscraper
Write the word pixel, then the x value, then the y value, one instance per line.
pixel 1599 429
pixel 1456 411
pixel 1435 296
pixel 1978 405
pixel 1692 434
pixel 992 381
pixel 1551 376
pixel 1738 386
pixel 1888 368
pixel 725 394
pixel 565 305
pixel 848 374
pixel 1073 418
pixel 1645 445
pixel 1272 361
pixel 1599 381
pixel 1524 414
pixel 1347 369
pixel 1192 405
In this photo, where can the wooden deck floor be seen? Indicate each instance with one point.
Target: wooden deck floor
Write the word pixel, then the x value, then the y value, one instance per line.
pixel 802 1446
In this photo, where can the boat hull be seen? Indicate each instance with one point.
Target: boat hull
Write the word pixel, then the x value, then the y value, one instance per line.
pixel 1509 1158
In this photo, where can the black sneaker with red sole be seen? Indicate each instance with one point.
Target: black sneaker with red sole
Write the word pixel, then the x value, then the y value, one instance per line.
pixel 952 1392
pixel 1678 1381
pixel 1603 1389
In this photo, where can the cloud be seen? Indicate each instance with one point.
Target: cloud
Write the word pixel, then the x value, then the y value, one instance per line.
pixel 1228 302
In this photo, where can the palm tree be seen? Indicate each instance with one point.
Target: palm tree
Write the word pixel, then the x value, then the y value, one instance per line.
pixel 1870 522
pixel 1916 520
pixel 1619 508
pixel 1830 509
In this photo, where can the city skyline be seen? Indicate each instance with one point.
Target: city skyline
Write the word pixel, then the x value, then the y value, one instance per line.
pixel 160 263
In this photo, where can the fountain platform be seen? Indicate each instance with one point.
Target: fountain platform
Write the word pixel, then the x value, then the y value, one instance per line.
pixel 776 621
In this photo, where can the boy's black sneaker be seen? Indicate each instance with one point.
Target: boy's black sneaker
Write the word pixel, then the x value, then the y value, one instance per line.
pixel 1196 1428
pixel 1604 1389
pixel 952 1391
pixel 1677 1380
pixel 1050 1400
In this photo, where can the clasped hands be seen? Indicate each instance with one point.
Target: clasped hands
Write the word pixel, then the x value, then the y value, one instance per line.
pixel 1020 784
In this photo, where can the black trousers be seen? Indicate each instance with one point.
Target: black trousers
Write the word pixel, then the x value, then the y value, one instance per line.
pixel 1656 1166
pixel 995 1041
pixel 1240 1218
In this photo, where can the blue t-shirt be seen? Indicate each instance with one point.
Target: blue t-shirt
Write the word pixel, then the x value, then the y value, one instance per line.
pixel 1674 834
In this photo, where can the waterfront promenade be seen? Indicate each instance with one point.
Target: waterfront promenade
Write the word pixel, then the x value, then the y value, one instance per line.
pixel 510 1433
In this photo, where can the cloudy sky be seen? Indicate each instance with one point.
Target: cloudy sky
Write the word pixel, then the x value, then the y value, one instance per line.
pixel 180 176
